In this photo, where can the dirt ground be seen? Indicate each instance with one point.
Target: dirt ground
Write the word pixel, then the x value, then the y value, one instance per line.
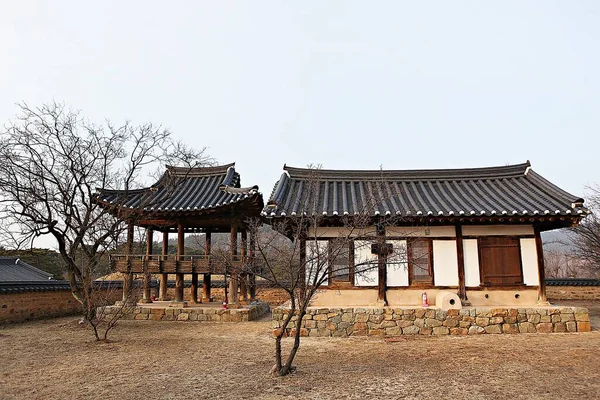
pixel 57 359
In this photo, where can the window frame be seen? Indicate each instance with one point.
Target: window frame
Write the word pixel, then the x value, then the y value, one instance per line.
pixel 334 280
pixel 409 249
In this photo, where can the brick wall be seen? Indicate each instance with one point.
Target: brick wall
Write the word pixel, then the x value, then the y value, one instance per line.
pixel 573 292
pixel 18 307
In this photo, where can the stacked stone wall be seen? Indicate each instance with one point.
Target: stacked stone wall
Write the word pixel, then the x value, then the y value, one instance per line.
pixel 573 292
pixel 342 322
pixel 248 313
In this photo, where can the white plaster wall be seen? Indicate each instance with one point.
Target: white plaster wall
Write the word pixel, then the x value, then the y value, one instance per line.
pixel 529 262
pixel 316 259
pixel 445 263
pixel 492 230
pixel 362 255
pixel 397 267
pixel 421 231
pixel 332 232
pixel 471 258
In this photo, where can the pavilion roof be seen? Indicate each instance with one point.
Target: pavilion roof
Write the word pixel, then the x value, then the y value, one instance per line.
pixel 185 191
pixel 512 190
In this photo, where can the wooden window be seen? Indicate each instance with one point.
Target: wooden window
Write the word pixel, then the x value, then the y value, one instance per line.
pixel 420 261
pixel 500 260
pixel 340 261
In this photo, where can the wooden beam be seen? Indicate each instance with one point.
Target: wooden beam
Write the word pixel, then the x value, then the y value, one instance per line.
pixel 180 252
pixel 233 281
pixel 462 290
pixel 149 241
pixel 252 256
pixel 164 278
pixel 128 276
pixel 541 267
pixel 206 278
pixel 382 266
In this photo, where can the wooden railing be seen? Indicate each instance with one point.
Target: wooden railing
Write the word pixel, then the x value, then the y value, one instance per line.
pixel 187 264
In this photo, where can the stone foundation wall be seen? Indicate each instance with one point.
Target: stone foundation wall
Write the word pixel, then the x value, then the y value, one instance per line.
pixel 25 306
pixel 344 322
pixel 573 292
pixel 248 313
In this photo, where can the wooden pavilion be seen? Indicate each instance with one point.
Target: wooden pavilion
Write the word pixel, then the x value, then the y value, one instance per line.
pixel 188 200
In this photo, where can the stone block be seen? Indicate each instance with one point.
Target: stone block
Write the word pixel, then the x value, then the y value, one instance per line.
pixel 420 312
pixel 521 317
pixel 560 327
pixel 493 329
pixel 311 324
pixel 499 312
pixel 331 326
pixel 376 318
pixel 430 322
pixel 583 326
pixel 496 320
pixel 452 313
pixel 485 313
pixel 441 330
pixel 376 332
pixel 425 331
pixel 388 324
pixel 359 332
pixel 347 317
pixel 566 317
pixel 511 319
pixel 459 331
pixel 406 311
pixel 555 318
pixel 141 316
pixel 361 317
pixel 411 317
pixel 476 330
pixel 526 327
pixel 404 324
pixel 320 317
pixel 335 319
pixel 533 318
pixel 395 331
pixel 339 333
pixel 464 324
pixel 545 318
pixel 571 326
pixel 344 325
pixel 429 313
pixel 410 330
pixel 419 322
pixel 544 327
pixel 482 321
pixel 582 316
pixel 510 328
pixel 450 322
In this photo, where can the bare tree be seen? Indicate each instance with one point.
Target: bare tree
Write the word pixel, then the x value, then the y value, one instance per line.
pixel 292 257
pixel 51 163
pixel 585 238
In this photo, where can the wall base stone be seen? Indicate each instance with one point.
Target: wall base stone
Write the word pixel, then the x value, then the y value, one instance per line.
pixel 194 314
pixel 342 322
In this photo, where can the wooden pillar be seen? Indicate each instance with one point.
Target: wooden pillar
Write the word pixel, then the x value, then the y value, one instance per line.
pixel 244 274
pixel 462 290
pixel 252 261
pixel 382 266
pixel 541 268
pixel 233 281
pixel 164 278
pixel 206 278
pixel 128 276
pixel 146 295
pixel 180 252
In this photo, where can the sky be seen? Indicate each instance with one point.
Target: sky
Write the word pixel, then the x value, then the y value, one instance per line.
pixel 344 84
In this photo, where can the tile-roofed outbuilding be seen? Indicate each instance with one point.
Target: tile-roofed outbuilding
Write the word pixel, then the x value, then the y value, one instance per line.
pixel 496 192
pixel 184 191
pixel 13 269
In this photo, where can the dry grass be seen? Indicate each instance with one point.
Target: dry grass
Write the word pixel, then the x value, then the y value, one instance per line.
pixel 170 360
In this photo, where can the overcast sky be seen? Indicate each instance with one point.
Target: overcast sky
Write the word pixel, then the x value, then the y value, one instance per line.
pixel 349 85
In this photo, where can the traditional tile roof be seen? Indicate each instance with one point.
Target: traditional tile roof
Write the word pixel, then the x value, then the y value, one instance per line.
pixel 492 191
pixel 13 269
pixel 184 190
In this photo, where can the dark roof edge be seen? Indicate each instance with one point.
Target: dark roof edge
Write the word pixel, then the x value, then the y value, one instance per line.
pixel 449 173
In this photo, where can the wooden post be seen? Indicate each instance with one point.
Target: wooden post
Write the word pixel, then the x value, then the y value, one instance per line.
pixel 195 288
pixel 252 259
pixel 243 275
pixel 147 296
pixel 206 278
pixel 382 266
pixel 128 296
pixel 233 300
pixel 541 268
pixel 180 252
pixel 164 278
pixel 462 290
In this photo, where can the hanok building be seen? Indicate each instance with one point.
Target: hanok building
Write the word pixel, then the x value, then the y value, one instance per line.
pixel 476 231
pixel 187 200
